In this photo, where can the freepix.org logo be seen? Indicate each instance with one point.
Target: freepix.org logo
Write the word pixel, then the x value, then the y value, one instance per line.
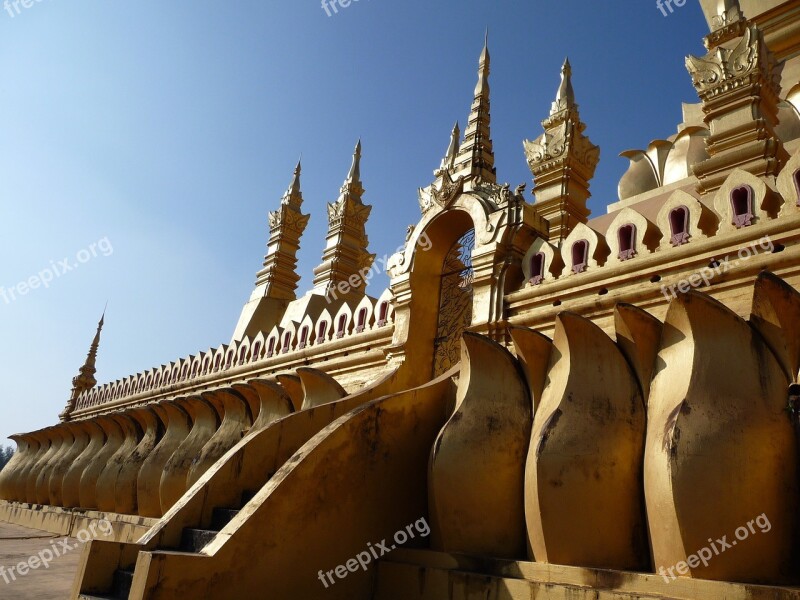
pixel 331 7
pixel 56 269
pixel 12 7
pixel 666 5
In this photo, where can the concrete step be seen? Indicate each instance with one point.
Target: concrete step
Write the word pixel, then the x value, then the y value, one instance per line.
pixel 221 517
pixel 123 580
pixel 194 540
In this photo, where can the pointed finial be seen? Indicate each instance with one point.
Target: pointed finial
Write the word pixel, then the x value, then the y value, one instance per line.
pixel 482 88
pixel 452 150
pixel 565 97
pixel 293 196
pixel 354 176
pixel 102 319
pixel 295 187
pixel 475 155
pixel 96 342
pixel 85 378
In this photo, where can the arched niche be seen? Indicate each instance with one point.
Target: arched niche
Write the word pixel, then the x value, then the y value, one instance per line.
pixel 594 256
pixel 305 333
pixel 701 222
pixel 547 268
pixel 383 309
pixel 363 315
pixel 630 235
pixel 743 191
pixel 322 327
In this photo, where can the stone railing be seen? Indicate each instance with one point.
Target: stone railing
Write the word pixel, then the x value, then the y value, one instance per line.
pixel 279 342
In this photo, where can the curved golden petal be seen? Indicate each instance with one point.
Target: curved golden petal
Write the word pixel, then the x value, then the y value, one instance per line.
pixel 638 337
pixel 583 493
pixel 533 352
pixel 478 461
pixel 177 425
pixel 293 387
pixel 720 448
pixel 776 316
pixel 319 387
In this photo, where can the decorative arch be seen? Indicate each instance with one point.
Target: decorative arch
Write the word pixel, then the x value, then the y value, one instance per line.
pixel 218 361
pixel 764 203
pixel 230 356
pixel 207 362
pixel 288 339
pixel 702 222
pixel 259 343
pixel 323 327
pixel 363 315
pixel 243 354
pixel 505 226
pixel 597 249
pixel 306 333
pixel 197 364
pixel 644 235
pixel 183 374
pixel 384 309
pixel 342 322
pixel 553 265
pixel 274 341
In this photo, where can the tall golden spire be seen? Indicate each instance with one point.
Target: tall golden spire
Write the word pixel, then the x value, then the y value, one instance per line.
pixel 476 155
pixel 276 282
pixel 346 253
pixel 85 379
pixel 87 371
pixel 563 161
pixel 286 226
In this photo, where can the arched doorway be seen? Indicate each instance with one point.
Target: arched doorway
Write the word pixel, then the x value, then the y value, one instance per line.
pixel 433 294
pixel 455 303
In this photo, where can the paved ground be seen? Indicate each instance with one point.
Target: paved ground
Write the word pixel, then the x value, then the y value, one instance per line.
pixel 19 544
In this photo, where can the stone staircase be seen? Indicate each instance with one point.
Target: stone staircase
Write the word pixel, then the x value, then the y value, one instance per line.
pixel 378 448
pixel 193 540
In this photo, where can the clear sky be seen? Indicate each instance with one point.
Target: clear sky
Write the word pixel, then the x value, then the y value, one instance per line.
pixel 163 132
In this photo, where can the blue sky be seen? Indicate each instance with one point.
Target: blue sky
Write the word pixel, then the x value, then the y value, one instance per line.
pixel 166 131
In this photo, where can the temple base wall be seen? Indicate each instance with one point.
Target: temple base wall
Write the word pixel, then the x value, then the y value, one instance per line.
pixel 426 575
pixel 67 522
